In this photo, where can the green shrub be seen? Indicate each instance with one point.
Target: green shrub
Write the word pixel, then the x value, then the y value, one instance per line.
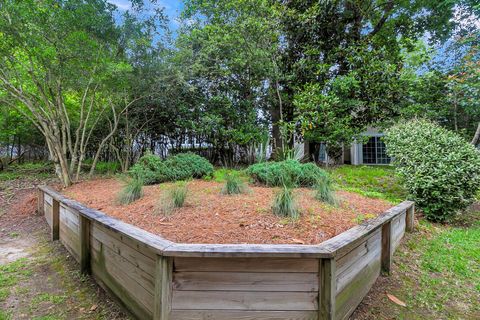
pixel 288 172
pixel 152 169
pixel 233 184
pixel 132 191
pixel 439 169
pixel 284 203
pixel 104 167
pixel 174 198
pixel 324 192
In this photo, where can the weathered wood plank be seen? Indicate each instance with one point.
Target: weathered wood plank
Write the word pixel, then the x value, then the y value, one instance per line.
pixel 108 267
pixel 246 265
pixel 350 297
pixel 244 300
pixel 326 295
pixel 154 242
pixel 344 278
pixel 146 280
pixel 242 315
pixel 362 249
pixel 47 197
pixel 163 288
pixel 245 281
pixel 245 250
pixel 47 210
pixel 70 242
pixel 112 241
pixel 343 243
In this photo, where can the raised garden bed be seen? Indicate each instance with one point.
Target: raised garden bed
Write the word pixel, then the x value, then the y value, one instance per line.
pixel 211 217
pixel 155 278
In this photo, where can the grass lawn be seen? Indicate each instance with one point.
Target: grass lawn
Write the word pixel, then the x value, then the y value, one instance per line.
pixel 436 270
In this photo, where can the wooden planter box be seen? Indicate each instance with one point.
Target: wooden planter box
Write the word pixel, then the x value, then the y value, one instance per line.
pixel 154 278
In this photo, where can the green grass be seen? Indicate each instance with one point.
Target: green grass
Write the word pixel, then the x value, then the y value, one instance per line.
pixel 233 185
pixel 131 192
pixel 174 197
pixel 370 181
pixel 220 175
pixel 284 203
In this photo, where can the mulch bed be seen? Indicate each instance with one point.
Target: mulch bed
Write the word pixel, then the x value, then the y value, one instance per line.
pixel 211 217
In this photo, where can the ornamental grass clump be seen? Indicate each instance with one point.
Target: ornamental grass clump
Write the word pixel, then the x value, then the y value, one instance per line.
pixel 274 174
pixel 131 192
pixel 174 197
pixel 324 191
pixel 439 169
pixel 284 203
pixel 233 185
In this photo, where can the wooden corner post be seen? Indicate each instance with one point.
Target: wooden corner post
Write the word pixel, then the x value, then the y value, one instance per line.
pixel 410 218
pixel 55 235
pixel 40 202
pixel 326 289
pixel 387 247
pixel 163 287
pixel 84 223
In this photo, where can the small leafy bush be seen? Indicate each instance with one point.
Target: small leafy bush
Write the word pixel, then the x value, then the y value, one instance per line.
pixel 131 192
pixel 439 169
pixel 174 198
pixel 152 169
pixel 324 191
pixel 284 203
pixel 233 184
pixel 288 172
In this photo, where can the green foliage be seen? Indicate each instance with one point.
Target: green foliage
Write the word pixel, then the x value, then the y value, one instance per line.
pixel 440 170
pixel 370 181
pixel 152 169
pixel 324 192
pixel 284 203
pixel 174 197
pixel 131 192
pixel 233 184
pixel 288 172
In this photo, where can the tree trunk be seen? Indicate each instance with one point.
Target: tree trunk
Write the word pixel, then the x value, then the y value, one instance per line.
pixel 476 137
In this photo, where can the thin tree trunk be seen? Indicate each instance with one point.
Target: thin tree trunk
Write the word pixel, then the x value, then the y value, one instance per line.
pixel 476 137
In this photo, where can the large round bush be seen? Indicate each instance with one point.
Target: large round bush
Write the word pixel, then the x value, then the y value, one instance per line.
pixel 440 170
pixel 286 172
pixel 152 169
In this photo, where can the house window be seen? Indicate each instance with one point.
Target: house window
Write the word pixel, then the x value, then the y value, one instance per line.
pixel 374 152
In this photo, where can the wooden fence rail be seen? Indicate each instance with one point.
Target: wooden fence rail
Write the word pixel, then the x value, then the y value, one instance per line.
pixel 154 278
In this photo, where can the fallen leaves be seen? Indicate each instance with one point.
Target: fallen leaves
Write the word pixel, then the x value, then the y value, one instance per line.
pixel 396 300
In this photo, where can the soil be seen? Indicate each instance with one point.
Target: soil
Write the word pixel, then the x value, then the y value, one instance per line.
pixel 42 281
pixel 211 217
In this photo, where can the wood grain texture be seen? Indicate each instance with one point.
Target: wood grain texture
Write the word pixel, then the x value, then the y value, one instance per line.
pixel 163 288
pixel 326 295
pixel 349 298
pixel 242 315
pixel 244 300
pixel 144 259
pixel 84 229
pixel 135 292
pixel 245 265
pixel 245 281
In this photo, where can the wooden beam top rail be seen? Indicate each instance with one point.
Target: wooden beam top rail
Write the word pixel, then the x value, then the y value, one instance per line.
pixel 328 249
pixel 350 238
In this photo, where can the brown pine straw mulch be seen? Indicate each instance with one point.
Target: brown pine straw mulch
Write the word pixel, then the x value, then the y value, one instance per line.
pixel 211 217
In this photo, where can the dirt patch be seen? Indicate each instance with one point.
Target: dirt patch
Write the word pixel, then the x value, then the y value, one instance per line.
pixel 38 277
pixel 210 217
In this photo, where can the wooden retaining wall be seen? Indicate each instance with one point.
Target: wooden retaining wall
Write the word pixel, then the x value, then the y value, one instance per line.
pixel 154 278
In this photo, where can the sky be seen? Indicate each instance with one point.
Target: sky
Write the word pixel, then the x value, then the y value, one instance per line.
pixel 172 8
